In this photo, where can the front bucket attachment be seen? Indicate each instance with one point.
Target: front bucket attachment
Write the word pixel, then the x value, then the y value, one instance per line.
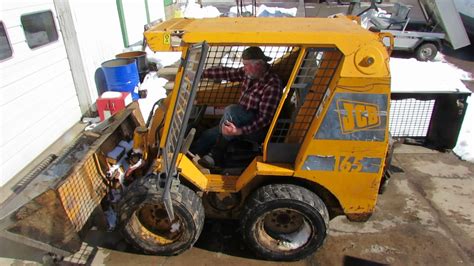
pixel 50 212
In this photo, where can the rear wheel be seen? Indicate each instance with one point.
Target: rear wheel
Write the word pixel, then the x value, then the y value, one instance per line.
pixel 284 222
pixel 145 223
pixel 426 52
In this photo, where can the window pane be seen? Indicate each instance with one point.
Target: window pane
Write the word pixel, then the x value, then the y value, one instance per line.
pixel 39 28
pixel 5 47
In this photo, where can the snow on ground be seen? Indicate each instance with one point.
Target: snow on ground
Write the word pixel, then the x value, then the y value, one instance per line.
pixel 410 75
pixel 265 11
pixel 193 10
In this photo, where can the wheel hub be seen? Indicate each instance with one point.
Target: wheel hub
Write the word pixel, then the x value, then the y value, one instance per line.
pixel 284 230
pixel 283 221
pixel 155 219
pixel 426 52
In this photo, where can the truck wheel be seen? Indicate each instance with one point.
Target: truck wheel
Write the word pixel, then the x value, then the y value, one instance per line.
pixel 426 52
pixel 284 222
pixel 145 223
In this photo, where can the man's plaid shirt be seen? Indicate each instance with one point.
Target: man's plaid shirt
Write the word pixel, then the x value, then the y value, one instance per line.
pixel 261 96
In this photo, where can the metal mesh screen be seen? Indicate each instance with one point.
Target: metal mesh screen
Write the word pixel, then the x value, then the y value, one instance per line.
pixel 410 117
pixel 307 92
pixel 81 193
pixel 181 109
pixel 223 93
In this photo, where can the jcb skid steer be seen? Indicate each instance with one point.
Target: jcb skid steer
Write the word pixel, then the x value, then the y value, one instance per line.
pixel 325 152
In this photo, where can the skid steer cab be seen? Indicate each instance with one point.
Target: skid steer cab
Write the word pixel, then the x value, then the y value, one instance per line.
pixel 322 154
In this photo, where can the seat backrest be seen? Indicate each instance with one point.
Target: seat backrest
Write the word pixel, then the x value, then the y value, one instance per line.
pixel 401 12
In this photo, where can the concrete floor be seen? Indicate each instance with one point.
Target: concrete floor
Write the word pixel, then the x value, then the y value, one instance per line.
pixel 425 217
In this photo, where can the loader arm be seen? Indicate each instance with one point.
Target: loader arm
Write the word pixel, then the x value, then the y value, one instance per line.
pixel 177 120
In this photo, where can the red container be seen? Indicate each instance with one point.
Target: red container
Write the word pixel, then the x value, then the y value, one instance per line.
pixel 110 102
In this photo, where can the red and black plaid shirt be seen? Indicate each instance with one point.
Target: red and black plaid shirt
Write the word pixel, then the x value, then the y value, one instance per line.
pixel 259 95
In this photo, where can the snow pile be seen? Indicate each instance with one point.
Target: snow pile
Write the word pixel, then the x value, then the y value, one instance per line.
pixel 162 59
pixel 155 91
pixel 152 83
pixel 265 11
pixel 194 10
pixel 410 75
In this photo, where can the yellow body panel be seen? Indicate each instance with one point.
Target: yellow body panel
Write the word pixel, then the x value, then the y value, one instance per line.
pixel 225 183
pixel 300 31
pixel 356 191
pixel 191 172
pixel 321 32
pixel 259 168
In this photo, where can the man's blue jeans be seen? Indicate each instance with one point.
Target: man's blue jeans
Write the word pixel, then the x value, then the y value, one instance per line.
pixel 233 113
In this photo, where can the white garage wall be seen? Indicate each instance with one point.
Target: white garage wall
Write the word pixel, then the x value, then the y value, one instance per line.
pixel 38 94
pixel 38 101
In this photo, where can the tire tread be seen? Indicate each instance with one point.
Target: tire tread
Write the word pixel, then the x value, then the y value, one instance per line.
pixel 277 192
pixel 145 189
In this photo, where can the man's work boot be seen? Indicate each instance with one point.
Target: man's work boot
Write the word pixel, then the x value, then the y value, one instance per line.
pixel 216 156
pixel 207 161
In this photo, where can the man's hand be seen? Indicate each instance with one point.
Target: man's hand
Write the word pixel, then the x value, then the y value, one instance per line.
pixel 229 129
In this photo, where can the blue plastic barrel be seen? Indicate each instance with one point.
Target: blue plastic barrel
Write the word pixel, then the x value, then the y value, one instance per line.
pixel 121 75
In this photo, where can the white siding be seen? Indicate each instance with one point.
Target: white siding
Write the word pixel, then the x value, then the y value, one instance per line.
pixel 38 101
pixel 98 33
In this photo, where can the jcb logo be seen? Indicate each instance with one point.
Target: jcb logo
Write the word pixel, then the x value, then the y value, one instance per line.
pixel 356 116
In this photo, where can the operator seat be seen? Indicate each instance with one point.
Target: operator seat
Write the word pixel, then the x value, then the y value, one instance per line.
pixel 397 19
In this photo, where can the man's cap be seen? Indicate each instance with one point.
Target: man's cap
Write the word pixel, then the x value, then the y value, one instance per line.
pixel 254 52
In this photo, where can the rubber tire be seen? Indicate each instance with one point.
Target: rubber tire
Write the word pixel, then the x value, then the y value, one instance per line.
pixel 277 196
pixel 186 204
pixel 419 52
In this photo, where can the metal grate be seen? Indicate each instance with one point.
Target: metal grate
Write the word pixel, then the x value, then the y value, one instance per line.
pixel 410 117
pixel 222 93
pixel 307 92
pixel 81 193
pixel 182 108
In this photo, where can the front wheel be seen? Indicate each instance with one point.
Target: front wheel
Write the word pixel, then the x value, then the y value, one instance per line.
pixel 426 52
pixel 145 222
pixel 284 222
